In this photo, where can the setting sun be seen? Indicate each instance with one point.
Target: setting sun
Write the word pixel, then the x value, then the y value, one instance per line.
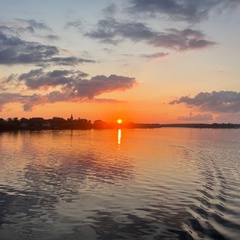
pixel 119 121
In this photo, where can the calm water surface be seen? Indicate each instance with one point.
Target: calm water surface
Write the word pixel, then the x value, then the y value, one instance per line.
pixel 167 183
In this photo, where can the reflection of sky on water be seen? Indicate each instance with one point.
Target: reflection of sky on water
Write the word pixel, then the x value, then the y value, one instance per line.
pixel 54 178
pixel 82 184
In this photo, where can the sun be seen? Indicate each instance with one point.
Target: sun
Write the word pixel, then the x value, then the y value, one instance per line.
pixel 119 121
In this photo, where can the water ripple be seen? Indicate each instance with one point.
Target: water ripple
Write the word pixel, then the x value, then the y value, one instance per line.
pixel 159 184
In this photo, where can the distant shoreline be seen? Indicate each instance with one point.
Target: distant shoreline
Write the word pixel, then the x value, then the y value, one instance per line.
pixel 57 123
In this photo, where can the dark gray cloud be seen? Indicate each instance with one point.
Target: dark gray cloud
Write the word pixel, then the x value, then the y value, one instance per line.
pixel 30 101
pixel 111 31
pixel 14 50
pixel 155 55
pixel 110 10
pixel 181 40
pixel 38 78
pixel 10 78
pixel 186 10
pixel 68 61
pixel 52 37
pixel 219 102
pixel 101 84
pixel 72 87
pixel 196 117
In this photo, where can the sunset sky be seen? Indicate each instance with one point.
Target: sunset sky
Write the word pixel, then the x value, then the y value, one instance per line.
pixel 164 61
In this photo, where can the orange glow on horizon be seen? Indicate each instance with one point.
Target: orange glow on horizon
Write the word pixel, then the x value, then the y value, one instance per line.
pixel 137 112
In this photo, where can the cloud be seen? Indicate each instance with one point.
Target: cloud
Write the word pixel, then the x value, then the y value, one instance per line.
pixel 15 31
pixel 33 24
pixel 30 101
pixel 228 118
pixel 51 37
pixel 9 98
pixel 107 100
pixel 110 10
pixel 38 78
pixel 181 40
pixel 102 84
pixel 185 10
pixel 108 29
pixel 19 26
pixel 111 31
pixel 77 24
pixel 72 84
pixel 196 117
pixel 68 61
pixel 155 55
pixel 14 50
pixel 219 102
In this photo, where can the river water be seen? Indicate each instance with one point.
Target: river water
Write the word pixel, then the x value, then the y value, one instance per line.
pixel 167 183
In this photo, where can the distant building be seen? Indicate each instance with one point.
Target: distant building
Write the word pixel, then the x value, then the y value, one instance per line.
pixel 46 124
pixel 24 125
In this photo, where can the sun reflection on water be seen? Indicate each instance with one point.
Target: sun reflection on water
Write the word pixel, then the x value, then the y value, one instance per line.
pixel 119 136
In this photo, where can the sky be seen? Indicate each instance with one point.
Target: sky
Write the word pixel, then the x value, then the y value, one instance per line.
pixel 152 61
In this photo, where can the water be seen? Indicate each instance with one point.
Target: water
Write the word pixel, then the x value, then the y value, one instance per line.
pixel 168 183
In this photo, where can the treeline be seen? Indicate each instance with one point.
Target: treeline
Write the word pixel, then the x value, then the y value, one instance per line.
pixel 15 124
pixel 57 123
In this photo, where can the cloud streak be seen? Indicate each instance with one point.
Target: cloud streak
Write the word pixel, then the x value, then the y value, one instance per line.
pixel 31 23
pixel 20 26
pixel 155 55
pixel 196 117
pixel 181 40
pixel 112 31
pixel 218 102
pixel 77 24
